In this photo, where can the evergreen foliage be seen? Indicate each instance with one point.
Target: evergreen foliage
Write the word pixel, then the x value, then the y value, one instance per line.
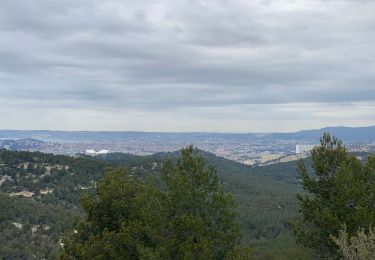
pixel 340 191
pixel 189 217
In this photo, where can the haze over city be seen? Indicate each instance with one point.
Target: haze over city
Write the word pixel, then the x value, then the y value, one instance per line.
pixel 218 66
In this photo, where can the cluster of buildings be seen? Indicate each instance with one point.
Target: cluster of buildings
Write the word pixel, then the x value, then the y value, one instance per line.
pixel 267 157
pixel 252 152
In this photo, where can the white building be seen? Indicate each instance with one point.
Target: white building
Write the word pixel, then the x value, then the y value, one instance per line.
pixel 93 152
pixel 304 148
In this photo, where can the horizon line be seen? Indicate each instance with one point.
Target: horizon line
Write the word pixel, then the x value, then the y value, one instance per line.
pixel 179 132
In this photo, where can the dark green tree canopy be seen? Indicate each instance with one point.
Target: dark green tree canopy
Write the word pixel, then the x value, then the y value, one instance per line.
pixel 339 192
pixel 188 217
pixel 201 215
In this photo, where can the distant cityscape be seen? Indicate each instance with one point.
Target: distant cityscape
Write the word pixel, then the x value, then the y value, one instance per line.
pixel 250 149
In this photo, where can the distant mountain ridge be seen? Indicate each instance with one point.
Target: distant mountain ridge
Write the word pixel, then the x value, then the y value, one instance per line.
pixel 348 134
pixel 341 132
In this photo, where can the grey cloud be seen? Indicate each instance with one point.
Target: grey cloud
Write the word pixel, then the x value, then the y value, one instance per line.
pixel 161 55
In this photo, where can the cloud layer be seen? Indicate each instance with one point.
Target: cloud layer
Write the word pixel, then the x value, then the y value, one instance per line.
pixel 186 65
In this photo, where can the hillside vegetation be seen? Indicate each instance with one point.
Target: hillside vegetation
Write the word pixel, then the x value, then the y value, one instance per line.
pixel 265 197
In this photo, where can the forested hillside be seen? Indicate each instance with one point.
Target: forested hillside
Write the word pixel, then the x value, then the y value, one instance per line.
pixel 35 185
pixel 265 197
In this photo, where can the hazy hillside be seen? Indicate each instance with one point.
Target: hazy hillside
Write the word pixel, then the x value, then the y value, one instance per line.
pixel 348 134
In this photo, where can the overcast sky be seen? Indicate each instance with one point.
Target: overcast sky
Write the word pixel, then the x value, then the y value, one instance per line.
pixel 226 66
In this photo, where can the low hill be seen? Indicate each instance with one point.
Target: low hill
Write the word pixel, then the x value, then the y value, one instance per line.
pixel 51 185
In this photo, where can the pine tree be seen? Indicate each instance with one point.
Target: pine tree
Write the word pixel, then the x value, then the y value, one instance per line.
pixel 188 217
pixel 339 192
